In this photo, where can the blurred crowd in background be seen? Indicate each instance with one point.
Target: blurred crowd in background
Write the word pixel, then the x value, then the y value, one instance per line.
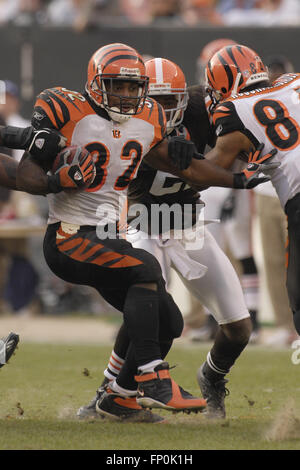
pixel 80 14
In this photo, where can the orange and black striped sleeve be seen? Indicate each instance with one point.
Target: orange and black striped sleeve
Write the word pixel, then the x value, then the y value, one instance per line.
pixel 50 110
pixel 156 116
pixel 226 120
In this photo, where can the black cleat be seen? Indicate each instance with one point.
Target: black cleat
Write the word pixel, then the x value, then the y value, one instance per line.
pixel 116 407
pixel 89 411
pixel 158 390
pixel 8 346
pixel 215 394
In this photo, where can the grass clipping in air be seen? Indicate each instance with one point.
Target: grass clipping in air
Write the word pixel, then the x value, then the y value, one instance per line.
pixel 286 424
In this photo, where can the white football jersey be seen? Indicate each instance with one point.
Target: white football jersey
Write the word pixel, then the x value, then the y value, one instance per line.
pixel 272 116
pixel 117 150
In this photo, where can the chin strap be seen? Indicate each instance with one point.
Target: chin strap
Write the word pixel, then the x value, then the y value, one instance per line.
pixel 116 116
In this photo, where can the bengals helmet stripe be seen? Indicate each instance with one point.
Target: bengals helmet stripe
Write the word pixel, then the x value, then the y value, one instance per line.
pixel 119 57
pixel 232 69
pixel 117 62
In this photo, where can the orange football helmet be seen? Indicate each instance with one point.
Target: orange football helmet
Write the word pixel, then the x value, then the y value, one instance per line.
pixel 167 78
pixel 116 62
pixel 232 69
pixel 206 54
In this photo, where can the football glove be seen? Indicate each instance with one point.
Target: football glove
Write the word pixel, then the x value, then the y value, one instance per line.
pixel 45 142
pixel 76 175
pixel 257 169
pixel 181 151
pixel 42 144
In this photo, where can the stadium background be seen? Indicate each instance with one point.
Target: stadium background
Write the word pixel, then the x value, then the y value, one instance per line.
pixel 38 58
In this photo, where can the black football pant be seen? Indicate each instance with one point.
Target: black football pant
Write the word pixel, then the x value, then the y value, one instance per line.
pixel 292 210
pixel 115 269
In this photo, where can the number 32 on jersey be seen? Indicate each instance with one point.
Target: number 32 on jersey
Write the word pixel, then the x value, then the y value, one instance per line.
pixel 132 152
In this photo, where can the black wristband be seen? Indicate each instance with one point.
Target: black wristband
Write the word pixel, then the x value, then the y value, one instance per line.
pixel 53 184
pixel 238 181
pixel 16 137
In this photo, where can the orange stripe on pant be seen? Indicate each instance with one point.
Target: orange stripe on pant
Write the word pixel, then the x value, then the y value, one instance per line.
pixel 122 261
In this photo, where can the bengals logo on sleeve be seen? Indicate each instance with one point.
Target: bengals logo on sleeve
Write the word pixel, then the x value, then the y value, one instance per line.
pixel 226 119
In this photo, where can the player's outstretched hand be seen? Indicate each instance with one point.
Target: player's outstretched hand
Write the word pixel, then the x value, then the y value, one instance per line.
pixel 258 169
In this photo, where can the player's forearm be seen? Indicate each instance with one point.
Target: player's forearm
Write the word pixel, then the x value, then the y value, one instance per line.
pixel 8 172
pixel 15 137
pixel 31 178
pixel 203 173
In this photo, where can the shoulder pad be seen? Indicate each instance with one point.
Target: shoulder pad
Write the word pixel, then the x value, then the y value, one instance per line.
pixel 55 107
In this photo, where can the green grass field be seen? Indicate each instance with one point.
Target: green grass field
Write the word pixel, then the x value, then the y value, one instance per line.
pixel 44 385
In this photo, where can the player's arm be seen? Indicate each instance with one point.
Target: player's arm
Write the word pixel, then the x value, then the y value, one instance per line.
pixel 31 177
pixel 228 148
pixel 200 173
pixel 42 144
pixel 8 172
pixel 203 173
pixel 48 119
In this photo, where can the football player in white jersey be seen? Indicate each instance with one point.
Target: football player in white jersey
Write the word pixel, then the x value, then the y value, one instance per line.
pixel 84 244
pixel 206 271
pixel 235 209
pixel 249 109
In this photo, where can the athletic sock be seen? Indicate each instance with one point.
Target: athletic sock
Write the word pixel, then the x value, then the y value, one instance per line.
pixel 114 366
pixel 211 372
pixel 150 366
pixel 115 387
pixel 222 356
pixel 141 318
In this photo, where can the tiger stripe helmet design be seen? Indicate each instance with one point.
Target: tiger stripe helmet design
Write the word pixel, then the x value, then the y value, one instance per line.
pixel 231 70
pixel 167 78
pixel 116 62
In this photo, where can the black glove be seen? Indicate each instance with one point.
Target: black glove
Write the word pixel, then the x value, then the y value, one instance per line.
pixel 257 169
pixel 45 143
pixel 181 151
pixel 42 144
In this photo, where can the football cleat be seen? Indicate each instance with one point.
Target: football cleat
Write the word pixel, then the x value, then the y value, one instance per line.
pixel 8 346
pixel 158 390
pixel 89 411
pixel 215 394
pixel 117 407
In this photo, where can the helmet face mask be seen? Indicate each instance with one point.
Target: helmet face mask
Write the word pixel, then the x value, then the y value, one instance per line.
pixel 166 80
pixel 231 70
pixel 113 70
pixel 104 86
